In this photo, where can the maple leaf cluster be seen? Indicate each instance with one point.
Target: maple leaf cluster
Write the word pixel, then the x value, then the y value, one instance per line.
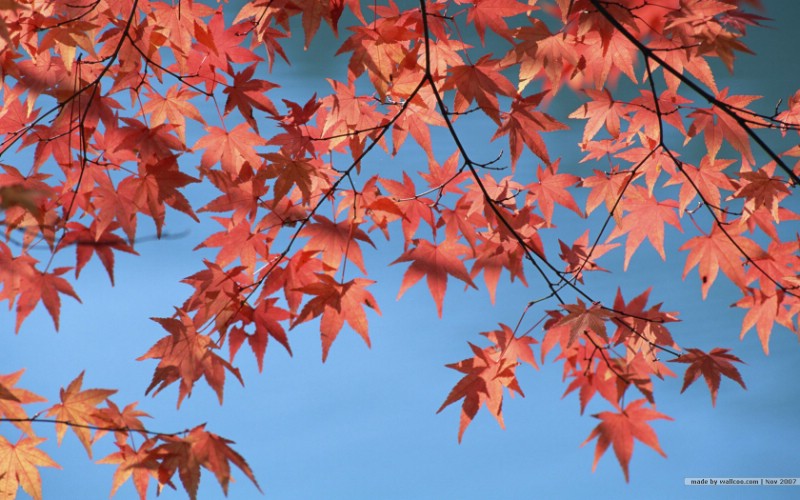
pixel 157 457
pixel 111 109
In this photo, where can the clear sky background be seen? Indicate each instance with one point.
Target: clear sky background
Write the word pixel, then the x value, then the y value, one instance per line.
pixel 363 425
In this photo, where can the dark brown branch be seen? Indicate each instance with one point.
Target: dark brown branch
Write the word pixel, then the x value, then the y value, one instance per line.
pixel 92 427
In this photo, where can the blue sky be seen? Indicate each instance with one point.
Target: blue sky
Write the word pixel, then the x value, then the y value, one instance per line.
pixel 363 425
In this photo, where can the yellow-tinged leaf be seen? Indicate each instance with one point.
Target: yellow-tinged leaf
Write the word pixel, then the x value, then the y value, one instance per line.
pixel 79 407
pixel 11 407
pixel 18 467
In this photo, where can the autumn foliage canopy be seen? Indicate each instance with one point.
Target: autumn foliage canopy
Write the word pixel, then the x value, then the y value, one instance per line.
pixel 102 102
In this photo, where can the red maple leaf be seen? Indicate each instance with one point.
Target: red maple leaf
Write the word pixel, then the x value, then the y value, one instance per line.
pixel 620 429
pixel 122 421
pixel 220 45
pixel 541 51
pixel 523 123
pixel 217 294
pixel 415 208
pixel 591 376
pixel 718 124
pixel 492 13
pixel 336 303
pixel 512 347
pixel 435 262
pixel 706 181
pixel 606 188
pixel 88 241
pixel 335 240
pixel 483 382
pixel 238 241
pixel 551 189
pixel 241 194
pixel 300 270
pixel 199 448
pixel 306 174
pixel 711 365
pixel 601 110
pixel 645 219
pixel 156 185
pixel 764 310
pixel 584 320
pixel 761 190
pixel 581 257
pixel 186 355
pixel 494 253
pixel 175 107
pixel 232 149
pixel 44 287
pixel 639 328
pixel 246 93
pixel 480 82
pixel 722 249
pixel 267 318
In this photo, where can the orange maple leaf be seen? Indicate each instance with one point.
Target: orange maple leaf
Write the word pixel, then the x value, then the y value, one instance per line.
pixel 19 467
pixel 79 407
pixel 141 464
pixel 12 400
pixel 175 107
pixel 620 429
pixel 122 421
